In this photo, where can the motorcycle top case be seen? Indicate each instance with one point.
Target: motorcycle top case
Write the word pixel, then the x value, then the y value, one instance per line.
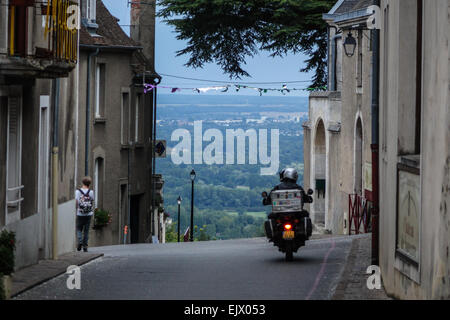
pixel 286 200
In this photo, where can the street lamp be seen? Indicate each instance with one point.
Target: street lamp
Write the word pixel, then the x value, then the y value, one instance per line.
pixel 192 204
pixel 179 203
pixel 350 45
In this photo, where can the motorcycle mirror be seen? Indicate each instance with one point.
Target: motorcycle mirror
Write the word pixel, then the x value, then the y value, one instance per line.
pixel 310 192
pixel 264 195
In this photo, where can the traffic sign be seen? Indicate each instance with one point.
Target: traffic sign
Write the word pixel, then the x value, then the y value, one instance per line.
pixel 160 148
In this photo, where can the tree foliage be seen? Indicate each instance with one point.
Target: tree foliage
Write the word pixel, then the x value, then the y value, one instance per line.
pixel 228 31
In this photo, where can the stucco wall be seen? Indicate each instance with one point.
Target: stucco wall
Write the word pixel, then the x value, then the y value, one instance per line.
pixel 356 103
pixel 105 142
pixel 325 107
pixel 434 274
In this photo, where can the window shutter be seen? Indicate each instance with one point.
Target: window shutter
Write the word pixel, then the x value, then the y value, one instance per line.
pixel 14 137
pixel 3 27
pixel 14 155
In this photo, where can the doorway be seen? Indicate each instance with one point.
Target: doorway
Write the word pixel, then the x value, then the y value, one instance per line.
pixel 319 173
pixel 358 170
pixel 134 218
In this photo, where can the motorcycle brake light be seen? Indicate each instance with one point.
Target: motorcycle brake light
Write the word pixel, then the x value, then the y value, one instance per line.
pixel 287 226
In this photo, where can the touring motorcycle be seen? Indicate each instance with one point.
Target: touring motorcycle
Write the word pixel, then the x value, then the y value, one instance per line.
pixel 289 225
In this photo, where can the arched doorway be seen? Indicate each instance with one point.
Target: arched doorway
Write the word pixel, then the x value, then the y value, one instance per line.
pixel 358 169
pixel 319 173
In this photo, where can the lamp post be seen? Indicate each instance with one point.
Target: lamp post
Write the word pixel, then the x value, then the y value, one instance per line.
pixel 349 45
pixel 179 203
pixel 192 205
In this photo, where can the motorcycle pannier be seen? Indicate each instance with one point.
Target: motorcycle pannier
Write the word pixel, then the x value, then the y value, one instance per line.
pixel 286 200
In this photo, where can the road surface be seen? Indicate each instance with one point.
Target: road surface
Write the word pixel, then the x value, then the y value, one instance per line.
pixel 244 269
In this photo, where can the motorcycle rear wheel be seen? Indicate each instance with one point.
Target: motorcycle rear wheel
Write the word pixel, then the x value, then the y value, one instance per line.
pixel 289 252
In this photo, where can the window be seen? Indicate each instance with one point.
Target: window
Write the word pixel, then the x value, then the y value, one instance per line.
pixel 91 10
pixel 138 118
pixel 410 78
pixel 18 27
pixel 99 182
pixel 125 118
pixel 360 59
pixel 4 29
pixel 14 157
pixel 100 90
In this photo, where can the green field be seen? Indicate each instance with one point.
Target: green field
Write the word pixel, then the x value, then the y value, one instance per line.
pixel 259 214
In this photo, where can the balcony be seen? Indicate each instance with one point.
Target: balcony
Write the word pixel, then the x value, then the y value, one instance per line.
pixel 36 39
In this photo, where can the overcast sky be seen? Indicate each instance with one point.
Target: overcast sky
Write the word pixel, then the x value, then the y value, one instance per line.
pixel 262 68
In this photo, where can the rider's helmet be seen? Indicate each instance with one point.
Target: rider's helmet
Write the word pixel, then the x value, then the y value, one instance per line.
pixel 289 174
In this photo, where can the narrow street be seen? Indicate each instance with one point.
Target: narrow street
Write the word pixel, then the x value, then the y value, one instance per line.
pixel 231 269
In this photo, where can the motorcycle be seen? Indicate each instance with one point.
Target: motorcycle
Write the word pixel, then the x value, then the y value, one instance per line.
pixel 289 225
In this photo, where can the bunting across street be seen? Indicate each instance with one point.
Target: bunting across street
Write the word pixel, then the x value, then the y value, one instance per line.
pixel 284 89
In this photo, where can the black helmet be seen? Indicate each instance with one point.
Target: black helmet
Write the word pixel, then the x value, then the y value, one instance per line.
pixel 290 174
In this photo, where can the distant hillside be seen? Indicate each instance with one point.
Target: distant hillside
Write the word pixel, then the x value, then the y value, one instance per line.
pixel 231 191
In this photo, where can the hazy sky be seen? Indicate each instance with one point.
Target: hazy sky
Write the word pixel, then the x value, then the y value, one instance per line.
pixel 262 68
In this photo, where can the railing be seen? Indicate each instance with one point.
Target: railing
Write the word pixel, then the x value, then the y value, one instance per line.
pixel 61 41
pixel 18 200
pixel 360 214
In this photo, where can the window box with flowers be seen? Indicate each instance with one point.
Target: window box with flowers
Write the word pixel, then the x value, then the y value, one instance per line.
pixel 102 218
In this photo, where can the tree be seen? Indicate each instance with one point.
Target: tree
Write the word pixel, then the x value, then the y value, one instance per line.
pixel 171 234
pixel 228 31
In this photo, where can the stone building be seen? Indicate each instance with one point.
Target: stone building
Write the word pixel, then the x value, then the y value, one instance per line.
pixel 117 140
pixel 38 131
pixel 414 148
pixel 337 135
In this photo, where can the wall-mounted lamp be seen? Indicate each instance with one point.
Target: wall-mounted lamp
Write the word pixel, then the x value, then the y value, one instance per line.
pixel 349 45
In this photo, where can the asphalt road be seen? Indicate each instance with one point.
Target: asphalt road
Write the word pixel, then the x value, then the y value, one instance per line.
pixel 246 269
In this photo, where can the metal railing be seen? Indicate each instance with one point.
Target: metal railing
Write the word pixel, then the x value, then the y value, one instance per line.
pixel 360 214
pixel 14 203
pixel 61 41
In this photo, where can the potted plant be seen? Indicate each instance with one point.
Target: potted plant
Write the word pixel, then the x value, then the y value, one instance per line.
pixel 101 218
pixel 7 247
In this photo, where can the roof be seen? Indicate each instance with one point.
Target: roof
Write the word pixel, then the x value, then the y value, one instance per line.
pixel 348 9
pixel 345 6
pixel 362 4
pixel 109 33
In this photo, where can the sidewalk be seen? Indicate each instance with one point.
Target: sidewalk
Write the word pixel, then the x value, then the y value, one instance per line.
pixel 353 284
pixel 45 270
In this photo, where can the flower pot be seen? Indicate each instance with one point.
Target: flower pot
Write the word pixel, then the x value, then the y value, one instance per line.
pixel 7 286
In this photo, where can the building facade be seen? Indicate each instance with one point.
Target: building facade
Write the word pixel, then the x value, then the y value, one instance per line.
pixel 38 131
pixel 337 135
pixel 116 125
pixel 414 148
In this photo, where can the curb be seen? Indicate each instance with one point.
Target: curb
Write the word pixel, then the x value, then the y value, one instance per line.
pixel 19 286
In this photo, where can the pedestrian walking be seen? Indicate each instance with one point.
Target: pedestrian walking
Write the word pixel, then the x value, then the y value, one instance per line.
pixel 84 197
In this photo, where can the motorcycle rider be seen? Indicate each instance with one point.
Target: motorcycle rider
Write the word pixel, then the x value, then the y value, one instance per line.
pixel 288 179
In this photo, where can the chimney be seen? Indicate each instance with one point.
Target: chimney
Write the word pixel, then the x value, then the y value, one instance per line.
pixel 142 28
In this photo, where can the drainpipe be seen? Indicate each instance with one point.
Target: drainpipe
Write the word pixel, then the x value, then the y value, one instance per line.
pixel 88 111
pixel 333 62
pixel 55 178
pixel 375 136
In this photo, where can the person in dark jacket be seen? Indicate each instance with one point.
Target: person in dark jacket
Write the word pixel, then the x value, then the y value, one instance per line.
pixel 288 178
